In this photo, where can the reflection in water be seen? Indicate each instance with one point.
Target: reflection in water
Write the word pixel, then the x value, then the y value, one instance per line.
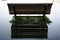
pixel 30 29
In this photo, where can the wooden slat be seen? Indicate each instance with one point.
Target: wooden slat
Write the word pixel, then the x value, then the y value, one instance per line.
pixel 29 8
pixel 29 33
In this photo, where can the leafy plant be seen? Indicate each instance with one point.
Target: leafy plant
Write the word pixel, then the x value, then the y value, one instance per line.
pixel 30 19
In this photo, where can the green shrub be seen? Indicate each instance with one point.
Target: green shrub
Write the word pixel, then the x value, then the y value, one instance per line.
pixel 30 19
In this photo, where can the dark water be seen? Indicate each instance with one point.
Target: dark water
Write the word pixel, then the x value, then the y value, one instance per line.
pixel 53 28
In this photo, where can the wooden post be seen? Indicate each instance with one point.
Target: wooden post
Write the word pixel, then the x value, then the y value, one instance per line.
pixel 14 10
pixel 14 14
pixel 45 7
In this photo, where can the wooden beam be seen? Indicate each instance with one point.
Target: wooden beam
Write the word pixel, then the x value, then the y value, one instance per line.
pixel 29 8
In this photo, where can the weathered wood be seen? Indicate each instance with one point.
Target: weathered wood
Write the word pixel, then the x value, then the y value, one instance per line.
pixel 29 8
pixel 31 30
pixel 29 33
pixel 41 25
pixel 22 32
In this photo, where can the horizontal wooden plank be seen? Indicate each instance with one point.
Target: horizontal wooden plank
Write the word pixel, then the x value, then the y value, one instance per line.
pixel 29 13
pixel 30 26
pixel 29 33
pixel 29 8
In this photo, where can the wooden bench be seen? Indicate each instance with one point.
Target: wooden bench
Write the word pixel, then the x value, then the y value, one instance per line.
pixel 29 8
pixel 21 30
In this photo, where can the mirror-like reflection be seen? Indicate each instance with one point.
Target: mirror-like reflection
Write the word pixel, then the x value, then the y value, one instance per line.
pixel 29 27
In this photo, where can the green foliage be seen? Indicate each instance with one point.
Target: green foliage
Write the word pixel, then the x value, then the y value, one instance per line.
pixel 30 19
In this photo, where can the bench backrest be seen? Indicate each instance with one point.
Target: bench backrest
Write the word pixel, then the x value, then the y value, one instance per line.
pixel 29 8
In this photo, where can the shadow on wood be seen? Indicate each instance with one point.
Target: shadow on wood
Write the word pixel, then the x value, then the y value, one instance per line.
pixel 30 31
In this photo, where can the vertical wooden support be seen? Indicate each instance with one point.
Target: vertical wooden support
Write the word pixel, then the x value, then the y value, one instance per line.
pixel 14 10
pixel 45 7
pixel 14 14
